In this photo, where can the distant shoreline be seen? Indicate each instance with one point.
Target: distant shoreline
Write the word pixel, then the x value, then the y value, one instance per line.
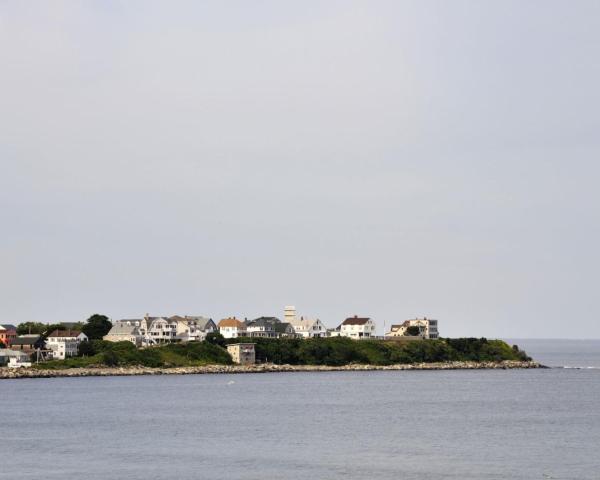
pixel 10 373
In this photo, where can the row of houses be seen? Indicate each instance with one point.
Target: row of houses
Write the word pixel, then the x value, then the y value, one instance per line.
pixel 148 330
pixel 58 345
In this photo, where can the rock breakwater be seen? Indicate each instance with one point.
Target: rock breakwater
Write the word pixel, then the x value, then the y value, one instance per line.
pixel 8 373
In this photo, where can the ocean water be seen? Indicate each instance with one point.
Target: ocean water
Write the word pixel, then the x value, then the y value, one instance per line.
pixel 506 424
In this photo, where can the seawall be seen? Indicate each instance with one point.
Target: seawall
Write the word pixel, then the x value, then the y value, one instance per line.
pixel 8 373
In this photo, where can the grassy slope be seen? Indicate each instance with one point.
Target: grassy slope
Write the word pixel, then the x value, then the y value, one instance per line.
pixel 341 351
pixel 328 351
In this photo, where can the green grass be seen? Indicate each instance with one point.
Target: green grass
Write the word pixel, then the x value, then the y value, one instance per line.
pixel 123 354
pixel 343 351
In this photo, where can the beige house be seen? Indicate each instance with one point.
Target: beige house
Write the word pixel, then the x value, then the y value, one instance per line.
pixel 123 332
pixel 417 327
pixel 242 353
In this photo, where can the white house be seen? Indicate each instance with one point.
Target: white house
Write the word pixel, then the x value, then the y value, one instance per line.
pixel 263 327
pixel 304 327
pixel 192 328
pixel 232 328
pixel 65 343
pixel 309 328
pixel 423 327
pixel 357 328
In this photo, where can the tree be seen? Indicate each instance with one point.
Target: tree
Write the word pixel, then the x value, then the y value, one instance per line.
pixel 31 327
pixel 216 339
pixel 97 326
pixel 2 344
pixel 413 331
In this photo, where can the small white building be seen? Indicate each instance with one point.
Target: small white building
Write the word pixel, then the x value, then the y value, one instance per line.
pixel 357 328
pixel 232 328
pixel 14 358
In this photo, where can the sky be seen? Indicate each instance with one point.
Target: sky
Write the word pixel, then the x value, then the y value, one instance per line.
pixel 389 159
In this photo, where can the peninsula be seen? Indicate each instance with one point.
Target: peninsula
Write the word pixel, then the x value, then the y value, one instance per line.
pixel 104 358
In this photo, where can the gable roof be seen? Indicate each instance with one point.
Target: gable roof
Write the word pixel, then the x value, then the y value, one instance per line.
pixel 123 329
pixel 27 340
pixel 264 322
pixel 7 326
pixel 65 333
pixel 231 322
pixel 283 327
pixel 201 322
pixel 356 320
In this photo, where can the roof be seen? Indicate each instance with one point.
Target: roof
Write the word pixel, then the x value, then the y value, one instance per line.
pixel 283 327
pixel 123 329
pixel 201 322
pixel 356 320
pixel 6 352
pixel 267 319
pixel 231 322
pixel 26 340
pixel 65 333
pixel 264 322
pixel 8 326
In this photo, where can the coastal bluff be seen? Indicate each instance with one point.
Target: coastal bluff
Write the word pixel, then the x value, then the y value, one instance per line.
pixel 102 371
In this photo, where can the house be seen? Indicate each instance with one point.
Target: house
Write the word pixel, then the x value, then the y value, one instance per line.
pixel 65 343
pixel 192 328
pixel 8 333
pixel 242 353
pixel 28 343
pixel 417 327
pixel 232 328
pixel 60 335
pixel 159 330
pixel 123 332
pixel 309 328
pixel 357 328
pixel 284 330
pixel 263 327
pixel 304 327
pixel 14 358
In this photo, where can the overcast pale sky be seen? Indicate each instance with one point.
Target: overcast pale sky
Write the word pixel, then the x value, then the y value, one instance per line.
pixel 380 158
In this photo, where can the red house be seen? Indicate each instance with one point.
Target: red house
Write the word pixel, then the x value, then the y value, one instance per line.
pixel 7 334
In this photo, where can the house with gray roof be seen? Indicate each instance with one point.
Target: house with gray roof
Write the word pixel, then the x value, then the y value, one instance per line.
pixel 122 332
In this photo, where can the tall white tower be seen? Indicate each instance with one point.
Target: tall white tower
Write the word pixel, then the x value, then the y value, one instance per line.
pixel 289 314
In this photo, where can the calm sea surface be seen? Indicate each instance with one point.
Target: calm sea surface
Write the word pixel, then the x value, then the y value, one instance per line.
pixel 523 424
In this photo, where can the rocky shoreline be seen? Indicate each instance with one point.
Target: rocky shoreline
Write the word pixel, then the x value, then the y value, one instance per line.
pixel 8 373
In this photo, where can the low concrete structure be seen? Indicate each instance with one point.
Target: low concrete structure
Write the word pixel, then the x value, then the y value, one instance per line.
pixel 242 353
